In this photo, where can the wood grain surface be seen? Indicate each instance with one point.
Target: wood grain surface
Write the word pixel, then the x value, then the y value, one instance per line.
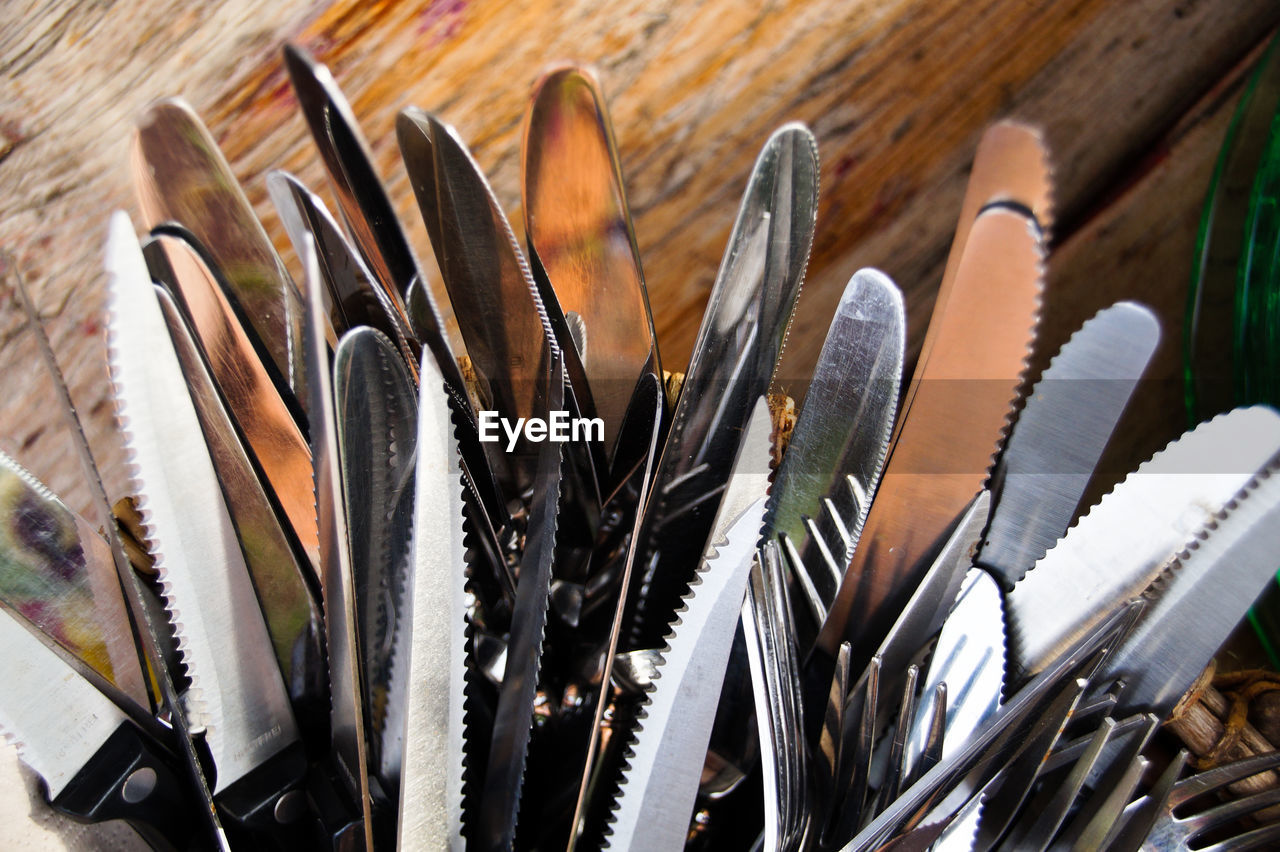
pixel 897 92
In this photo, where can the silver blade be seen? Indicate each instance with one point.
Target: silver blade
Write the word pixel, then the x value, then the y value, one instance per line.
pixel 1120 546
pixel 60 574
pixel 742 335
pixel 375 402
pixel 55 717
pixel 1196 603
pixel 508 750
pixel 263 417
pixel 827 478
pixel 970 659
pixel 487 277
pixel 354 298
pixel 346 716
pixel 273 558
pixel 237 691
pixel 1060 435
pixel 181 176
pixel 660 781
pixel 431 784
pixel 579 230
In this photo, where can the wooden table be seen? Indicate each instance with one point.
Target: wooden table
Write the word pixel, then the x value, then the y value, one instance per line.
pixel 1133 98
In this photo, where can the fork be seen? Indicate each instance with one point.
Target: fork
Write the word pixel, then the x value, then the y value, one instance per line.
pixel 1153 824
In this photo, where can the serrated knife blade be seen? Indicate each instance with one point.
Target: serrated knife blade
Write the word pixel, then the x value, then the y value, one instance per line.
pixel 237 691
pixel 660 781
pixel 952 429
pixel 431 783
pixel 1116 550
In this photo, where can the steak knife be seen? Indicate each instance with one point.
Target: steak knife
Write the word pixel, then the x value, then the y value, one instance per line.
pixel 236 691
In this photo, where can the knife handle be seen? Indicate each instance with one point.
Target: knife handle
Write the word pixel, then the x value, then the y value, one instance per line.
pixel 129 778
pixel 267 809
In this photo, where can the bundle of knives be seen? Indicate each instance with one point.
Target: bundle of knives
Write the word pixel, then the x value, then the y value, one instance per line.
pixel 361 615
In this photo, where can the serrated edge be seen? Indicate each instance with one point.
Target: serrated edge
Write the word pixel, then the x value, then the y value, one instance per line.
pixel 200 713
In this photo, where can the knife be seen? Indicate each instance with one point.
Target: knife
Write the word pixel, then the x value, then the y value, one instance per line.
pixel 738 346
pixel 1195 602
pixel 272 556
pixel 95 761
pixel 828 476
pixel 660 781
pixel 431 789
pixel 580 235
pixel 352 297
pixel 236 691
pixel 270 432
pixel 376 403
pixel 1059 436
pixel 487 276
pixel 180 176
pixel 57 573
pixel 508 750
pixel 346 685
pixel 1116 550
pixel 362 200
pixel 965 392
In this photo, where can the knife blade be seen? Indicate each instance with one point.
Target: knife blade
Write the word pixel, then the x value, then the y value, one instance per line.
pixel 828 476
pixel 508 750
pixel 431 790
pixel 487 276
pixel 96 763
pixel 376 402
pixel 346 716
pixel 270 431
pixel 580 233
pixel 353 298
pixel 272 556
pixel 660 781
pixel 739 342
pixel 362 200
pixel 1197 601
pixel 236 692
pixel 1118 548
pixel 952 429
pixel 1059 436
pixel 180 176
pixel 58 574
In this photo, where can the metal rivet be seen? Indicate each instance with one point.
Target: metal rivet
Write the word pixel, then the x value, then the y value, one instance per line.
pixel 289 807
pixel 138 785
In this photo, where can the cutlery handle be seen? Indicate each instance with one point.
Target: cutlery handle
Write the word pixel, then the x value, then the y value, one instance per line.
pixel 130 778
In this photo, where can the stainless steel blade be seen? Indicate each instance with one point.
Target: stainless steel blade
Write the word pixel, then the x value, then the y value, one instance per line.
pixel 1060 435
pixel 660 781
pixel 269 428
pixel 376 405
pixel 180 176
pixel 952 429
pixel 828 476
pixel 500 313
pixel 272 556
pixel 579 230
pixel 346 715
pixel 354 298
pixel 59 574
pixel 55 717
pixel 1115 551
pixel 739 342
pixel 237 691
pixel 1195 604
pixel 508 750
pixel 431 785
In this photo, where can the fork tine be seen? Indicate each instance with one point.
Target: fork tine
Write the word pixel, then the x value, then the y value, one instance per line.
pixel 1051 809
pixel 1140 816
pixel 898 745
pixel 1228 811
pixel 1221 776
pixel 1259 838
